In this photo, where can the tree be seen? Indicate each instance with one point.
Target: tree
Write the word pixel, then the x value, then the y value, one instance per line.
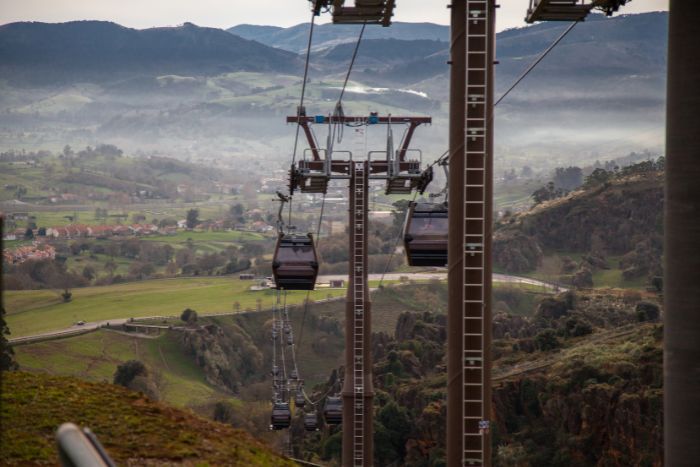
pixel 647 311
pixel 126 372
pixel 236 213
pixel 547 339
pixel 597 177
pixel 210 262
pixel 546 193
pixel 21 191
pixel 568 178
pixel 110 267
pixel 67 295
pixel 7 355
pixel 189 316
pixel 67 151
pixel 223 412
pixel 89 272
pixel 141 270
pixel 192 218
pixel 397 423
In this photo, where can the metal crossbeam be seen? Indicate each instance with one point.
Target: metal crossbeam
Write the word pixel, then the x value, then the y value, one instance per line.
pixel 569 10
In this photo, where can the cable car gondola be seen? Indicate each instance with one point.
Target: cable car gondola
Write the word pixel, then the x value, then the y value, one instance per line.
pixel 425 234
pixel 295 264
pixel 281 416
pixel 311 421
pixel 299 400
pixel 333 410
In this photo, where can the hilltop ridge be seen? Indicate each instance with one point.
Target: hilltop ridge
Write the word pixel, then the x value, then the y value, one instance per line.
pixel 95 50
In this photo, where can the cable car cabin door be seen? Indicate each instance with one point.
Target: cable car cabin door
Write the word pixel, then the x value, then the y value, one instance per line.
pixel 295 264
pixel 425 234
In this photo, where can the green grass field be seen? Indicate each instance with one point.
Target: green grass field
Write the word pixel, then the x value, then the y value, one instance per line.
pixel 94 357
pixel 36 311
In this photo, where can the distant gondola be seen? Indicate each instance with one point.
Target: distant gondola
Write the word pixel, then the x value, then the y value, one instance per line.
pixel 281 416
pixel 299 400
pixel 295 263
pixel 425 234
pixel 333 410
pixel 311 421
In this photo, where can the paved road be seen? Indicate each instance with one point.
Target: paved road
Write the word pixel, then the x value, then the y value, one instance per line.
pixel 443 276
pixel 95 325
pixel 66 332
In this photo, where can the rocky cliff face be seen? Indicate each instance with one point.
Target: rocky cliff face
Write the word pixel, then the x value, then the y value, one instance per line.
pixel 228 356
pixel 619 217
pixel 577 383
pixel 593 407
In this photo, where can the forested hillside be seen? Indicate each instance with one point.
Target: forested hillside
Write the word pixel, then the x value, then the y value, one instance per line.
pixel 616 215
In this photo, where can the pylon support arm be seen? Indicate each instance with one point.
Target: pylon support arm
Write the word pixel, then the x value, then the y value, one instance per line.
pixel 305 121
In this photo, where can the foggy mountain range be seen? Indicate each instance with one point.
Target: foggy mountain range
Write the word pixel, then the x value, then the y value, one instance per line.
pixel 193 91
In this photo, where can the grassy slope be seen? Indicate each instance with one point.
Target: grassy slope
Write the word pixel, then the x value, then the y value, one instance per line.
pixel 133 429
pixel 94 357
pixel 550 269
pixel 36 311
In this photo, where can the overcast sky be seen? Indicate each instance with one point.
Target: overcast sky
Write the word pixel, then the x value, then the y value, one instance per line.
pixel 227 13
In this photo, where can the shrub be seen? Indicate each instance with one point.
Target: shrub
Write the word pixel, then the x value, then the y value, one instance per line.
pixel 67 295
pixel 547 340
pixel 126 372
pixel 189 316
pixel 647 311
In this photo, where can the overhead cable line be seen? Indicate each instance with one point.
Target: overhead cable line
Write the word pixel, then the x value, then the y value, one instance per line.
pixel 301 104
pixel 534 64
pixel 338 110
pixel 308 294
pixel 445 157
pixel 339 104
pixel 396 243
pixel 352 63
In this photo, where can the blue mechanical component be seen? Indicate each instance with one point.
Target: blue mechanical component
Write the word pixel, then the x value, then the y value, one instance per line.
pixel 319 119
pixel 373 119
